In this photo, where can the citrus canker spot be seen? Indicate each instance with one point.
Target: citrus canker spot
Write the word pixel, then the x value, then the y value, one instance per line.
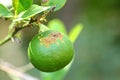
pixel 51 38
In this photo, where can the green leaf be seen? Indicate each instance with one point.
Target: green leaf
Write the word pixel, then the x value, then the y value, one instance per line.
pixel 74 33
pixel 57 3
pixel 21 5
pixel 5 12
pixel 57 25
pixel 33 10
pixel 26 3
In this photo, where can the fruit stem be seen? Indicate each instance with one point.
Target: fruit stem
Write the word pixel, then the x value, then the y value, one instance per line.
pixel 42 28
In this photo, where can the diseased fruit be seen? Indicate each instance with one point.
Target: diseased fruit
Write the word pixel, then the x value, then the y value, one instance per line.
pixel 50 51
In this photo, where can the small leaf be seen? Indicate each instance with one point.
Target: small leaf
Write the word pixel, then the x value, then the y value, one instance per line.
pixel 21 5
pixel 74 33
pixel 33 10
pixel 57 3
pixel 17 7
pixel 57 25
pixel 4 12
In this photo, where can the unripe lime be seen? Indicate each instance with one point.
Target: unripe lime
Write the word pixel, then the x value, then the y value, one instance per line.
pixel 50 51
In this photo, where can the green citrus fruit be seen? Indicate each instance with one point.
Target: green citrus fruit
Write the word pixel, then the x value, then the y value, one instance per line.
pixel 50 51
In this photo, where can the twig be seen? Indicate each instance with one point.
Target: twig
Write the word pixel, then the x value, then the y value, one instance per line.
pixel 13 30
pixel 26 67
pixel 6 67
pixel 7 38
pixel 42 18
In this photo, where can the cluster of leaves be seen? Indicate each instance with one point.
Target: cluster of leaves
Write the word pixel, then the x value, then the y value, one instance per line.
pixel 24 13
pixel 24 9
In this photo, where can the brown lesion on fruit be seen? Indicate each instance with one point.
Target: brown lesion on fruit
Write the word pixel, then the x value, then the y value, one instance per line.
pixel 52 39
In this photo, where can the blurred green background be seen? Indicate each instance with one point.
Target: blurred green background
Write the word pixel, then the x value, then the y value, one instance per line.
pixel 97 49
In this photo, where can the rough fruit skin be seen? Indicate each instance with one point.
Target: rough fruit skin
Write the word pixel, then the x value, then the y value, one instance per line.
pixel 50 51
